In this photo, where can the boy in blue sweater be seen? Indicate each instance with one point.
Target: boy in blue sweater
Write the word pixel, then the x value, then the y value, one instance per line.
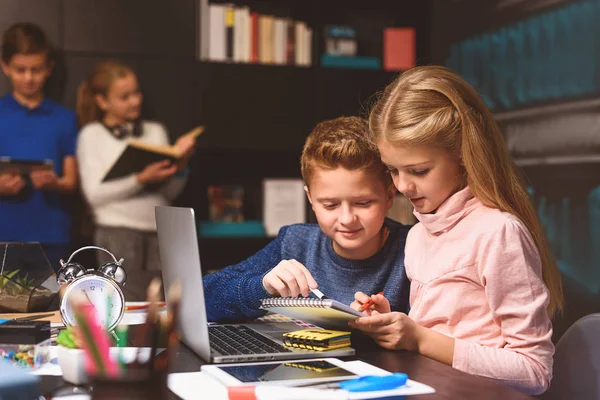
pixel 353 248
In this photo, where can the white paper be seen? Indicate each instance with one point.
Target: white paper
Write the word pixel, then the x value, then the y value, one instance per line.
pixel 284 203
pixel 200 385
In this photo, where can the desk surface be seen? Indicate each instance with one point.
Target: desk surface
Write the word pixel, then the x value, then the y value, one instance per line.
pixel 448 382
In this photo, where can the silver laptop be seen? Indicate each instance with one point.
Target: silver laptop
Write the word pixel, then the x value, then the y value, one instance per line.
pixel 180 260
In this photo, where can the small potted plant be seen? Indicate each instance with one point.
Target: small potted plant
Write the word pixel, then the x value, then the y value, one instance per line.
pixel 27 280
pixel 71 357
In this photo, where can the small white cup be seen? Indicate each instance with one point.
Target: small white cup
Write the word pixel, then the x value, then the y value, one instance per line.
pixel 72 363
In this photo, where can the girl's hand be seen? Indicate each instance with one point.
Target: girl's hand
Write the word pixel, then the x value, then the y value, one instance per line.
pixel 187 147
pixel 44 180
pixel 11 184
pixel 289 278
pixel 395 330
pixel 156 172
pixel 379 303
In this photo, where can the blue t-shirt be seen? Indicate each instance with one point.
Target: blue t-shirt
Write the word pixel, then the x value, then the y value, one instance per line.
pixel 48 131
pixel 236 291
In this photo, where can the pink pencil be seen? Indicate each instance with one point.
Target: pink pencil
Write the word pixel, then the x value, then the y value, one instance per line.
pixel 96 342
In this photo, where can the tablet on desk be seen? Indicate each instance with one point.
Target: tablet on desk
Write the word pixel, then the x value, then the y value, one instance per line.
pixel 283 373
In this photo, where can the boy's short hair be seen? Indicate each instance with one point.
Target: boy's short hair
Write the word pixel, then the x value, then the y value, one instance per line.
pixel 24 38
pixel 342 142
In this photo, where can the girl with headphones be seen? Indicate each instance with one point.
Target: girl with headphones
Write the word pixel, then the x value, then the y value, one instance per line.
pixel 109 105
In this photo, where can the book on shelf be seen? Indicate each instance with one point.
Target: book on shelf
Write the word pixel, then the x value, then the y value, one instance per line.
pixel 229 22
pixel 216 36
pixel 138 154
pixel 284 203
pixel 226 203
pixel 340 40
pixel 399 48
pixel 238 34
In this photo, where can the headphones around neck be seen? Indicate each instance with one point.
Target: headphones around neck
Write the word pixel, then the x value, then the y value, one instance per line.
pixel 71 270
pixel 123 130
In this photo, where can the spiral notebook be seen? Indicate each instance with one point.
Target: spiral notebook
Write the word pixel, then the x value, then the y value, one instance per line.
pixel 325 313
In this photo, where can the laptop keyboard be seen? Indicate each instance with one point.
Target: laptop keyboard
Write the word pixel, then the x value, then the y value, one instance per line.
pixel 239 339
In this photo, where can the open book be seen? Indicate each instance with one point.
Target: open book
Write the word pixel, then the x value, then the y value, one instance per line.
pixel 138 154
pixel 325 313
pixel 10 165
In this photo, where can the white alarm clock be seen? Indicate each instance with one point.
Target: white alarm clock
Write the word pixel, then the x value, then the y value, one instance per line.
pixel 102 287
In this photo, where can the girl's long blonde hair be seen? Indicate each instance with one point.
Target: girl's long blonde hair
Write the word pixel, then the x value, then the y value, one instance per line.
pixel 99 81
pixel 434 106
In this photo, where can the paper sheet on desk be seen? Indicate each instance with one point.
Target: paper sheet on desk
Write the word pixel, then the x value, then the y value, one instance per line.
pixel 186 385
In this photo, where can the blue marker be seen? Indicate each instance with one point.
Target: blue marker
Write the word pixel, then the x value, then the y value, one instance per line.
pixel 373 383
pixel 369 383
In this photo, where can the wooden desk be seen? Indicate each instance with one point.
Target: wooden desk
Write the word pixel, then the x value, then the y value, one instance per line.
pixel 448 382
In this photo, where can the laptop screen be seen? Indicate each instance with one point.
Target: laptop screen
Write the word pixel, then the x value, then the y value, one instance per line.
pixel 180 261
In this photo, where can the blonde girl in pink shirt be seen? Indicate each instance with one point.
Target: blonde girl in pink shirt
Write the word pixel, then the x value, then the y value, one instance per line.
pixel 483 282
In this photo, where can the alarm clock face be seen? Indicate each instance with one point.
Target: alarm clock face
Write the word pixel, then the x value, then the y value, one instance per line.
pixel 102 293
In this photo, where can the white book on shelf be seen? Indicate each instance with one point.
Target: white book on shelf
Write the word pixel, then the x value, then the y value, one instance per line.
pixel 217 45
pixel 278 41
pixel 238 34
pixel 300 42
pixel 284 203
pixel 308 47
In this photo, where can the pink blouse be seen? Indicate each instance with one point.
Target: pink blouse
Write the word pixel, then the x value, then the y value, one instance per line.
pixel 476 276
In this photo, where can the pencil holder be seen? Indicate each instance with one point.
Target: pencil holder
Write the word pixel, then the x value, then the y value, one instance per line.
pixel 136 384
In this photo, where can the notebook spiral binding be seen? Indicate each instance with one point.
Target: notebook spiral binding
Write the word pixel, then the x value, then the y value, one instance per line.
pixel 295 302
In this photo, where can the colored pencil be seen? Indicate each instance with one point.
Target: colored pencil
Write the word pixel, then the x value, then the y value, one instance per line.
pixel 143 306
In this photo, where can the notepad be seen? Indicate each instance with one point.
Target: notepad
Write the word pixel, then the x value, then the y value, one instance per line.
pixel 317 339
pixel 326 313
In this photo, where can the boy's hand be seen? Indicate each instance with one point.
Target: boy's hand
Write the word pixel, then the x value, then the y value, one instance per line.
pixel 379 305
pixel 289 278
pixel 156 172
pixel 395 330
pixel 44 180
pixel 11 184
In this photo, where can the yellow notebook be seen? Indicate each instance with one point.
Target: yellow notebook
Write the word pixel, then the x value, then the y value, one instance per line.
pixel 317 339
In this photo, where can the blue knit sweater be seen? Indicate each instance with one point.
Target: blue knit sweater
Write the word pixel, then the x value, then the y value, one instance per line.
pixel 236 291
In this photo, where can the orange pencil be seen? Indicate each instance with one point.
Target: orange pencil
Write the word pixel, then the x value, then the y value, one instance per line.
pixel 143 306
pixel 369 303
